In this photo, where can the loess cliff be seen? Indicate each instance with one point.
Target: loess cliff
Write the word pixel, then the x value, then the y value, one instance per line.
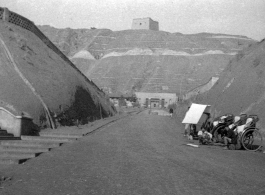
pixel 145 60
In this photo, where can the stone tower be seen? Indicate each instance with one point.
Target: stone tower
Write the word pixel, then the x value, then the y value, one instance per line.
pixel 145 23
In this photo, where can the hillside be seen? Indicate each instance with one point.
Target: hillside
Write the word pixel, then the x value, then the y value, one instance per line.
pixel 241 87
pixel 145 60
pixel 37 82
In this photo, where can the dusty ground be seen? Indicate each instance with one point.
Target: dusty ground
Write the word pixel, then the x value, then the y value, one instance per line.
pixel 139 154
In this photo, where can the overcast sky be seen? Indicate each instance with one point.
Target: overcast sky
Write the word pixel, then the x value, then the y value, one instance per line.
pixel 236 17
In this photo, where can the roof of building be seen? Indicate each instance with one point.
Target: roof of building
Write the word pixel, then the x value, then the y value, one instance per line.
pixel 144 18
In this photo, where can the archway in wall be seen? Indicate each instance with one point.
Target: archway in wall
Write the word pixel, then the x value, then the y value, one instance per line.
pixel 155 103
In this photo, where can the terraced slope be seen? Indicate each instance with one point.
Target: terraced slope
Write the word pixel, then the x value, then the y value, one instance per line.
pixel 143 60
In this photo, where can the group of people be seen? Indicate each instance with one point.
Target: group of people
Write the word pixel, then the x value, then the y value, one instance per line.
pixel 228 135
pixel 202 135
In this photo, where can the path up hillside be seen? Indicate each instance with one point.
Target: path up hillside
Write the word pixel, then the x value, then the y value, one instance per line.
pixel 36 80
pixel 145 60
pixel 241 87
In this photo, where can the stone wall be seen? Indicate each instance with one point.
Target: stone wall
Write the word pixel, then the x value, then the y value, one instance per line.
pixel 16 125
pixel 201 89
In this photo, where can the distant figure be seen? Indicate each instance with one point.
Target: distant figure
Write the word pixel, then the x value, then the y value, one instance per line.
pixel 171 112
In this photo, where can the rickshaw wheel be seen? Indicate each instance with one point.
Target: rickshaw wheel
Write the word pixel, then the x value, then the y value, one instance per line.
pixel 251 139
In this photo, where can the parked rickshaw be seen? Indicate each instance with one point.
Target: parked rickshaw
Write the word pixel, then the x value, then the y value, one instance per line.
pixel 248 136
pixel 219 124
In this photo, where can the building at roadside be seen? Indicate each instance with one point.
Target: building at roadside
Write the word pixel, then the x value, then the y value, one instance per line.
pixel 145 23
pixel 155 100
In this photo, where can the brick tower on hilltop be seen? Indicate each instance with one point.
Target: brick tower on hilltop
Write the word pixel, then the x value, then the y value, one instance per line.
pixel 145 23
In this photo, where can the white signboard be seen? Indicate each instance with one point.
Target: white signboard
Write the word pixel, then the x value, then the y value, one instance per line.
pixel 194 113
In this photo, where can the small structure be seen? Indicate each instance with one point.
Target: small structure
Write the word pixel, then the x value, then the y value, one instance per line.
pixel 155 100
pixel 16 125
pixel 195 113
pixel 145 23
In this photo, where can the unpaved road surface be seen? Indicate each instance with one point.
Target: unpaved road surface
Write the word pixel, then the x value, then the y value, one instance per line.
pixel 141 154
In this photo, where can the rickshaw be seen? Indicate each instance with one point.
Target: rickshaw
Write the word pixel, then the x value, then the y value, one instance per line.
pixel 226 121
pixel 249 137
pixel 218 126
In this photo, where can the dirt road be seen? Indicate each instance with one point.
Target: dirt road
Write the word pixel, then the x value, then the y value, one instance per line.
pixel 141 154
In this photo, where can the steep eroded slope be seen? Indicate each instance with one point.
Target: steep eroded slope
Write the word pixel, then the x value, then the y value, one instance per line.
pixel 145 60
pixel 35 81
pixel 241 87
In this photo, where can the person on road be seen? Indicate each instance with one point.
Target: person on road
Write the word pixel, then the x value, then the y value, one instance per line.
pixel 171 112
pixel 230 138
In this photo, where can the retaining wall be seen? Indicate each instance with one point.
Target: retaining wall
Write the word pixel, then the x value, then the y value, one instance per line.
pixel 16 125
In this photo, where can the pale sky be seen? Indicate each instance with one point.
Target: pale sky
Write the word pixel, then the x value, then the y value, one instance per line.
pixel 236 17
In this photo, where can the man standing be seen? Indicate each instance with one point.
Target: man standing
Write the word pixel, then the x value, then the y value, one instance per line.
pixel 171 112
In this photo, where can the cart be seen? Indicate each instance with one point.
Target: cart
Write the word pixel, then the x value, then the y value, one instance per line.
pixel 250 138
